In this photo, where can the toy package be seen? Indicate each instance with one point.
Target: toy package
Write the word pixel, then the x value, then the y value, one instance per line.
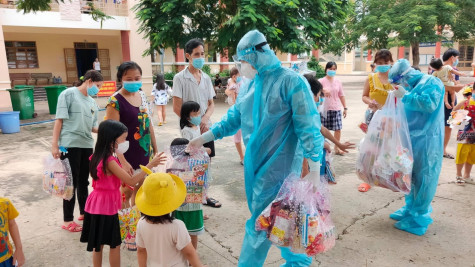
pixel 57 177
pixel 458 119
pixel 128 219
pixel 368 116
pixel 385 157
pixel 192 168
pixel 299 218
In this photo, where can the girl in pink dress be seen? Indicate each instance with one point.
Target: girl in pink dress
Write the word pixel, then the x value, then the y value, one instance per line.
pixel 101 221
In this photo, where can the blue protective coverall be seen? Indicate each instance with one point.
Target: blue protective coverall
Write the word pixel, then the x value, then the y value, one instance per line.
pixel 423 104
pixel 280 125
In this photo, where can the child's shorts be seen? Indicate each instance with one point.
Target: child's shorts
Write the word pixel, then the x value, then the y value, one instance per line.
pixel 193 221
pixel 465 154
pixel 7 263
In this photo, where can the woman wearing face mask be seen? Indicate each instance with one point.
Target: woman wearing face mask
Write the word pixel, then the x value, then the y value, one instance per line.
pixel 375 91
pixel 76 118
pixel 129 106
pixel 334 103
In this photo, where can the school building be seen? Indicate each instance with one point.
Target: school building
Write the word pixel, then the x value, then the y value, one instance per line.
pixel 65 41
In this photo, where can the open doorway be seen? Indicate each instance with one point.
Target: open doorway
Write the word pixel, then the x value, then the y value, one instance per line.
pixel 86 53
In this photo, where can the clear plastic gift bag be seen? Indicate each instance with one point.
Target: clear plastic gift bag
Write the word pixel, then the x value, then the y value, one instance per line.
pixel 192 168
pixel 299 218
pixel 57 177
pixel 385 154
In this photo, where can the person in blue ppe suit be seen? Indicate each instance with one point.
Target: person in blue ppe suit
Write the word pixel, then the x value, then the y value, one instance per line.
pixel 423 98
pixel 280 125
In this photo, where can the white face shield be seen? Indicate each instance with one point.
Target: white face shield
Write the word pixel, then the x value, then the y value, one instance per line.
pixel 244 68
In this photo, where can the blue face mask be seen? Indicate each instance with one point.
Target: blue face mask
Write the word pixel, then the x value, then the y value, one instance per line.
pixel 331 73
pixel 238 79
pixel 320 102
pixel 132 87
pixel 198 62
pixel 383 68
pixel 456 63
pixel 93 90
pixel 195 120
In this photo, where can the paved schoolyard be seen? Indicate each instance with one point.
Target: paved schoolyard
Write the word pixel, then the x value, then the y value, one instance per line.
pixel 366 234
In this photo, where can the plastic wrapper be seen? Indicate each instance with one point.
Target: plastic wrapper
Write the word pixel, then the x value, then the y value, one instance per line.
pixel 299 218
pixel 385 157
pixel 192 168
pixel 57 177
pixel 368 116
pixel 128 219
pixel 328 172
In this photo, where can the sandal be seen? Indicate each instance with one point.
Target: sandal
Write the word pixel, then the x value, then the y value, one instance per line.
pixel 73 227
pixel 448 156
pixel 213 203
pixel 364 187
pixel 459 180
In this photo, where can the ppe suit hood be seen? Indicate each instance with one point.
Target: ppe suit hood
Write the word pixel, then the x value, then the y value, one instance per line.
pixel 260 60
pixel 402 73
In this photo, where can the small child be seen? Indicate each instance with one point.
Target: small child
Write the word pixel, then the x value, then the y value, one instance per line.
pixel 316 88
pixel 160 91
pixel 232 91
pixel 466 139
pixel 101 220
pixel 8 213
pixel 161 239
pixel 444 73
pixel 191 213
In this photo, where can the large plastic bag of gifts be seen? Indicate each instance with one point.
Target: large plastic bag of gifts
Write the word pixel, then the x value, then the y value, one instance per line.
pixel 128 219
pixel 299 218
pixel 57 177
pixel 192 168
pixel 385 157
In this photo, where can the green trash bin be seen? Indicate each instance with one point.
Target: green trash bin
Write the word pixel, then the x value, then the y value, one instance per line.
pixel 22 100
pixel 52 93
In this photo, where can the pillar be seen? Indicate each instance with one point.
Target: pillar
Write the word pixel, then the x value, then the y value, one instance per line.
pixel 315 53
pixel 124 39
pixel 293 57
pixel 224 59
pixel 137 46
pixel 437 49
pixel 5 103
pixel 370 56
pixel 179 58
pixel 400 53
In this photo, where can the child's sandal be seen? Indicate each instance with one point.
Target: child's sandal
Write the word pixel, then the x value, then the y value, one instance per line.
pixel 459 180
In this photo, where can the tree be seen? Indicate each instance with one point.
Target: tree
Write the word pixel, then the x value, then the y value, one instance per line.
pixel 28 6
pixel 389 23
pixel 293 26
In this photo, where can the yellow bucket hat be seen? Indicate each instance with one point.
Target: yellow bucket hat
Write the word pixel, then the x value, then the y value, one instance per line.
pixel 160 194
pixel 467 90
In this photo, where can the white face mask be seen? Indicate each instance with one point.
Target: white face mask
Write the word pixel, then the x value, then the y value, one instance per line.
pixel 122 147
pixel 248 71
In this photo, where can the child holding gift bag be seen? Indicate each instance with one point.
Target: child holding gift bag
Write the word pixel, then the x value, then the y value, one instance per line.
pixel 101 221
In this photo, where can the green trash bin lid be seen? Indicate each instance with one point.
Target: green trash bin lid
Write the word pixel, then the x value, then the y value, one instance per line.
pixel 20 89
pixel 56 87
pixel 23 87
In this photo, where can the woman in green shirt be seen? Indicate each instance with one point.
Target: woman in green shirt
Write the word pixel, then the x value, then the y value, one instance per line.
pixel 76 118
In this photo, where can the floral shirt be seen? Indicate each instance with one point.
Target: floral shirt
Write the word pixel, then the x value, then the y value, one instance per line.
pixel 7 212
pixel 137 120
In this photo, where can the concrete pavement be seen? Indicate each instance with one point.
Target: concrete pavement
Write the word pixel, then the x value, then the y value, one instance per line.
pixel 366 234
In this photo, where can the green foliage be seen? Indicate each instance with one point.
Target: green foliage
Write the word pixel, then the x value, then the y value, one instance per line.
pixel 224 73
pixel 207 69
pixel 169 76
pixel 293 26
pixel 389 23
pixel 312 64
pixel 28 6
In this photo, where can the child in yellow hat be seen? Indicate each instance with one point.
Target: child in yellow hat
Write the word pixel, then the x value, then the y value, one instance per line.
pixel 466 138
pixel 161 239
